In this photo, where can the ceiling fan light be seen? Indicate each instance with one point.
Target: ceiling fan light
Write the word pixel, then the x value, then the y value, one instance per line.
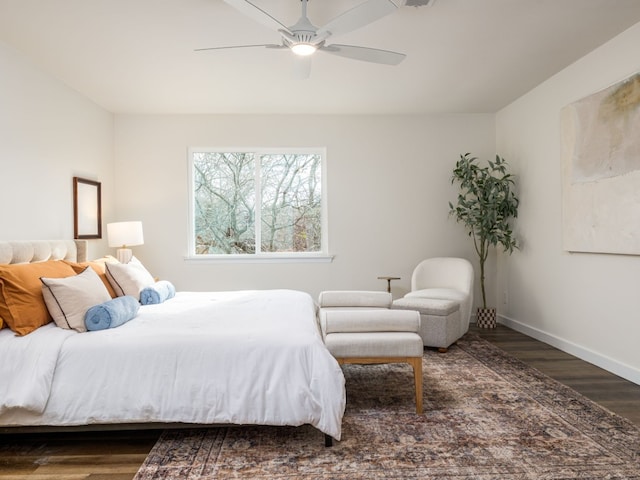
pixel 303 49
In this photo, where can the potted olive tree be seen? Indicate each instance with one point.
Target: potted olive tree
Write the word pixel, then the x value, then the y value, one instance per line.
pixel 486 204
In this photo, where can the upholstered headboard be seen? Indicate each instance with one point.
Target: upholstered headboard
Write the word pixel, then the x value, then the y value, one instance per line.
pixel 42 250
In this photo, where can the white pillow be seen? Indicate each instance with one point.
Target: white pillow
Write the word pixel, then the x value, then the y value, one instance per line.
pixel 128 278
pixel 69 298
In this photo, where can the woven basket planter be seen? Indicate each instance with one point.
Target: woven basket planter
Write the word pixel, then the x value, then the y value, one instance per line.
pixel 486 318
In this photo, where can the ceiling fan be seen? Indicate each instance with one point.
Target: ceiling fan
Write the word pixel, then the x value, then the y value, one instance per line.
pixel 303 38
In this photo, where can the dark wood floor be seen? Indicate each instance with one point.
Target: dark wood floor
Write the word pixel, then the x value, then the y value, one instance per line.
pixel 117 455
pixel 612 392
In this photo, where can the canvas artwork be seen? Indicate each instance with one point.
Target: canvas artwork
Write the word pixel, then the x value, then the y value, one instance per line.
pixel 601 170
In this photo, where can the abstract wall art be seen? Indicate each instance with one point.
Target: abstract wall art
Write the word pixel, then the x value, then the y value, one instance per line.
pixel 601 170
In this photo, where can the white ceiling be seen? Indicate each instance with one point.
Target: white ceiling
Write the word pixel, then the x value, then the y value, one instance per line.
pixel 136 56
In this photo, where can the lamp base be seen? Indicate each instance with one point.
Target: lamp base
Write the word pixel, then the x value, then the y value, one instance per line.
pixel 124 255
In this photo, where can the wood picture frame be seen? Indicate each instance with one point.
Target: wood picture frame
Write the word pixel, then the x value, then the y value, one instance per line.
pixel 87 209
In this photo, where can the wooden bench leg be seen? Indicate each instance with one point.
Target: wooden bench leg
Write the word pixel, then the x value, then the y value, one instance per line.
pixel 416 363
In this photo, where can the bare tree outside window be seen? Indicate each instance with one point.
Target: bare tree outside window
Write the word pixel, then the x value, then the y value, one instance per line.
pixel 224 200
pixel 291 203
pixel 228 219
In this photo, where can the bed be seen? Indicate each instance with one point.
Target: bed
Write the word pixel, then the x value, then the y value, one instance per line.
pixel 242 357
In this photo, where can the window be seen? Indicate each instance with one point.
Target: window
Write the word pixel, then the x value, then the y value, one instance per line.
pixel 257 203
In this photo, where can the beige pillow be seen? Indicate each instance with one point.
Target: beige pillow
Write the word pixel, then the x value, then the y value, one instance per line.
pixel 99 268
pixel 128 278
pixel 68 299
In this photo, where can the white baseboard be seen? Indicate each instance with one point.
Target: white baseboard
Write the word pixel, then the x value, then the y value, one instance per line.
pixel 621 369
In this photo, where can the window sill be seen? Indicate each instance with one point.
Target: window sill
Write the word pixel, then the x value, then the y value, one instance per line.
pixel 272 258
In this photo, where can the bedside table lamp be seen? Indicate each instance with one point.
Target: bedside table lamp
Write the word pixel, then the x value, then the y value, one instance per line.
pixel 123 235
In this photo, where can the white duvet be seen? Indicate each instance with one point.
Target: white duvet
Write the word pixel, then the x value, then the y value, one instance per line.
pixel 248 357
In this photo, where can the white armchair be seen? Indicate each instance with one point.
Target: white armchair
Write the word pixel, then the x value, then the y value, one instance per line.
pixel 445 278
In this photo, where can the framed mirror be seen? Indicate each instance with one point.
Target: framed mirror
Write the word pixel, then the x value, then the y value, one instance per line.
pixel 87 209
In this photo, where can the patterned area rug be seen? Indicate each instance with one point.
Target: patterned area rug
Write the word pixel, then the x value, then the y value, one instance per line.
pixel 486 416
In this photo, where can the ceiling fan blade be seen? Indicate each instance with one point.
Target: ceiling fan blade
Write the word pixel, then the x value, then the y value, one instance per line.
pixel 302 67
pixel 365 54
pixel 357 17
pixel 265 45
pixel 259 15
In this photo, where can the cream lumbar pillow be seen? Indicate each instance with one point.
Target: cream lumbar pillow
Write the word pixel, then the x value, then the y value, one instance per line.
pixel 128 278
pixel 68 299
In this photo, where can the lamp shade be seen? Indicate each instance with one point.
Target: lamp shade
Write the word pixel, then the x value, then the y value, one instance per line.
pixel 125 234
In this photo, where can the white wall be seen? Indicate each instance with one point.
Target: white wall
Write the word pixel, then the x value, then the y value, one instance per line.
pixel 48 135
pixel 587 304
pixel 388 191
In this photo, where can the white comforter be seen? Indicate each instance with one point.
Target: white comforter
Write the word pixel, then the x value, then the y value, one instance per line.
pixel 248 357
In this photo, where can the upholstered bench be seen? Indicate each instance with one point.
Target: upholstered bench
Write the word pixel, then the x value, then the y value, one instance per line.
pixel 359 327
pixel 440 324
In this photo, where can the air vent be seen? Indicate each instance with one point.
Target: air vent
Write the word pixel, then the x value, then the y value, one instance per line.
pixel 420 3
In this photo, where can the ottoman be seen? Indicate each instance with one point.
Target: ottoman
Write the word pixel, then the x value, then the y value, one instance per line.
pixel 359 327
pixel 440 324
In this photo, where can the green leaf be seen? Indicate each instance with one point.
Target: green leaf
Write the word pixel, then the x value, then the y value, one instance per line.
pixel 485 205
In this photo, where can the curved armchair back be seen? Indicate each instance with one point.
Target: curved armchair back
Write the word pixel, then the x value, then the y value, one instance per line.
pixel 446 273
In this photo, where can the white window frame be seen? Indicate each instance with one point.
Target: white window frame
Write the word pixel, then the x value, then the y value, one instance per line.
pixel 260 257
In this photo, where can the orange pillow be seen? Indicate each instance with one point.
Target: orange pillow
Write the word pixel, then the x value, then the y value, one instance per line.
pixel 97 267
pixel 22 305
